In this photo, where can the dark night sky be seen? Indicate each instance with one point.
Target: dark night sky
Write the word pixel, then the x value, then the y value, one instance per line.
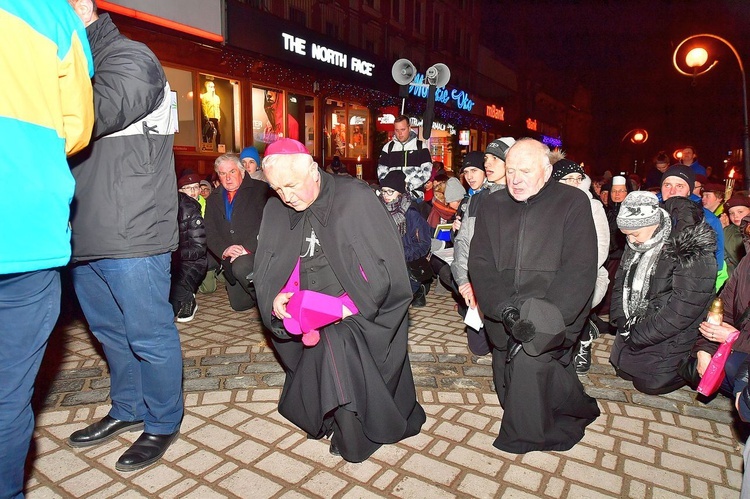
pixel 622 52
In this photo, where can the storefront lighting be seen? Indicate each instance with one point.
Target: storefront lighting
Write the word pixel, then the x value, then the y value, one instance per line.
pixel 159 21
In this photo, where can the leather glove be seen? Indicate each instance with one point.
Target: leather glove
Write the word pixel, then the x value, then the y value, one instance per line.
pixel 277 328
pixel 524 331
pixel 509 316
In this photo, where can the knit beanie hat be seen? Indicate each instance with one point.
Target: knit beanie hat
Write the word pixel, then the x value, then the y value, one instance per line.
pixel 454 191
pixel 681 171
pixel 395 180
pixel 473 159
pixel 499 147
pixel 566 167
pixel 188 177
pixel 639 209
pixel 252 153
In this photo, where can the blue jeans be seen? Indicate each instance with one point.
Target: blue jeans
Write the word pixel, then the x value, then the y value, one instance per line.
pixel 126 303
pixel 29 307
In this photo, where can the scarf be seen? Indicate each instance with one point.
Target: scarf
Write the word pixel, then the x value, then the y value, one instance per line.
pixel 397 208
pixel 639 262
pixel 440 211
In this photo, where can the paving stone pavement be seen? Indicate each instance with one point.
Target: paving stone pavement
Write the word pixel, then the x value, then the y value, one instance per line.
pixel 234 443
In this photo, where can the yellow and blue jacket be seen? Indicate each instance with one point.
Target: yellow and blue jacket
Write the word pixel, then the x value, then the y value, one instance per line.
pixel 46 114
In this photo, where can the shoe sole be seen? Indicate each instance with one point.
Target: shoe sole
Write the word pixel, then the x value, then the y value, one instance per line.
pixel 188 319
pixel 77 445
pixel 144 464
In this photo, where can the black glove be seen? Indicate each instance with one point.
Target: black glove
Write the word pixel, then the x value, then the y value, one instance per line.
pixel 509 316
pixel 277 328
pixel 523 331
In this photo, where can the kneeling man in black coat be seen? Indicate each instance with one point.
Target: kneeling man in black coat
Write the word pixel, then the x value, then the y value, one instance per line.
pixel 533 262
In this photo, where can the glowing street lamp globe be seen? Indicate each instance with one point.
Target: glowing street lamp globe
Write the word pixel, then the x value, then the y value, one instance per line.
pixel 696 57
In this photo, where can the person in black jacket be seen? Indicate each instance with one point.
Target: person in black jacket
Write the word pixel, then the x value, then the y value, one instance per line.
pixel 533 264
pixel 189 262
pixel 233 215
pixel 662 291
pixel 124 231
pixel 415 233
pixel 355 385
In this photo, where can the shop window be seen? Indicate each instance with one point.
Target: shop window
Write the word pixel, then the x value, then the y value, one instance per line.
pixel 348 126
pixel 271 121
pixel 301 119
pixel 181 83
pixel 219 107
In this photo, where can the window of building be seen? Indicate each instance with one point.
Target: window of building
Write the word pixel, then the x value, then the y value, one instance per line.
pixel 437 31
pixel 181 83
pixel 300 119
pixel 418 24
pixel 397 11
pixel 332 30
pixel 219 100
pixel 348 128
pixel 297 16
pixel 278 114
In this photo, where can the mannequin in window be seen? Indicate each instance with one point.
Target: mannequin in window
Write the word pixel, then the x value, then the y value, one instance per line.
pixel 210 107
pixel 275 112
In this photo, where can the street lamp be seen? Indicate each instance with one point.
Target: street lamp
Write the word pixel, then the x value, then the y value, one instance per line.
pixel 636 136
pixel 696 58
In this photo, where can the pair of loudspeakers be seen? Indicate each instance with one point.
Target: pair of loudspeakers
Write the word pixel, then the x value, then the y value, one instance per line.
pixel 404 71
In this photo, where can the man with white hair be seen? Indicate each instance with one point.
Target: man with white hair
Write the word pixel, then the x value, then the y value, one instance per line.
pixel 328 239
pixel 533 267
pixel 233 214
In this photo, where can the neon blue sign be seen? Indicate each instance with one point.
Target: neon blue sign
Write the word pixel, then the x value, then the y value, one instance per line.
pixel 442 95
pixel 551 141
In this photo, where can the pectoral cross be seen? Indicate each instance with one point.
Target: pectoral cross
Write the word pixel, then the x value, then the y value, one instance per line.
pixel 313 241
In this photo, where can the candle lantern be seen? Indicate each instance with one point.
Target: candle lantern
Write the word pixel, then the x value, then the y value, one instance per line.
pixel 729 185
pixel 359 167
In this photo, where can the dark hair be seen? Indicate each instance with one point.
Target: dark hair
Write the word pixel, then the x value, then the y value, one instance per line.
pixel 401 117
pixel 662 157
pixel 695 153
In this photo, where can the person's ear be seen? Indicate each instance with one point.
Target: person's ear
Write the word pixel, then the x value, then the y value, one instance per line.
pixel 85 11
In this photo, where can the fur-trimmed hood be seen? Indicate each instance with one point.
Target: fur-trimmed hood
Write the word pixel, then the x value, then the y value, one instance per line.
pixel 691 244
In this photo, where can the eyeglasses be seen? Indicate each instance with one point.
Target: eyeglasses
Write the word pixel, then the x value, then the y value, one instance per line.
pixel 388 192
pixel 190 188
pixel 572 179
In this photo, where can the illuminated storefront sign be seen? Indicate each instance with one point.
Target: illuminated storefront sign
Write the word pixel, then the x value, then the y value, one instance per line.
pixel 531 124
pixel 436 125
pixel 464 138
pixel 497 113
pixel 327 55
pixel 459 97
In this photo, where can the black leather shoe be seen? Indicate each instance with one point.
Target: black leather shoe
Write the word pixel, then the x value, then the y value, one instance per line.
pixel 334 450
pixel 101 431
pixel 145 451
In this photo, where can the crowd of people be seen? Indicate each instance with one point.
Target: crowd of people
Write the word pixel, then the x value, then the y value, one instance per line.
pixel 544 260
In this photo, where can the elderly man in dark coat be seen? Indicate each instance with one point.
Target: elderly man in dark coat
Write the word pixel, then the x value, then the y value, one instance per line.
pixel 233 214
pixel 334 234
pixel 533 263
